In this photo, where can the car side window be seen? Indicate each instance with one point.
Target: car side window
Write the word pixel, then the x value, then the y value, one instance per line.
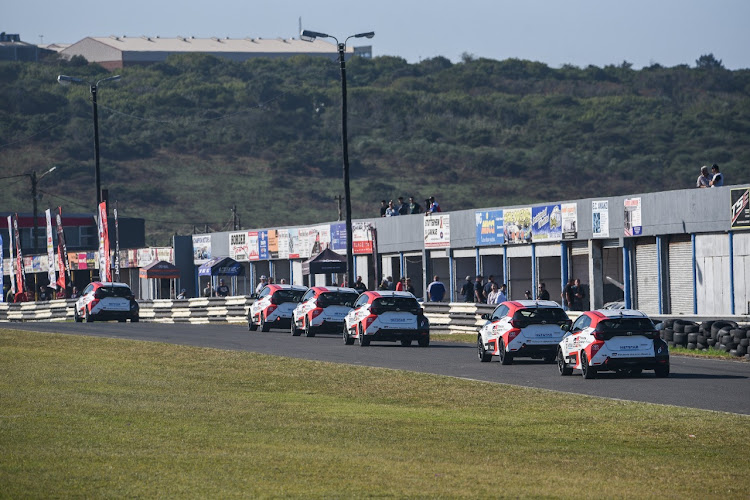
pixel 308 295
pixel 581 323
pixel 264 292
pixel 361 301
pixel 499 312
pixel 88 289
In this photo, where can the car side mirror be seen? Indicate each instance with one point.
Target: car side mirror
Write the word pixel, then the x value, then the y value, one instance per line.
pixel 565 327
pixel 253 295
pixel 486 316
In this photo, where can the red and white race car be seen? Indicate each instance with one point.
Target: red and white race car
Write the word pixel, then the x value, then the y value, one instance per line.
pixel 620 340
pixel 323 309
pixel 387 315
pixel 106 301
pixel 516 328
pixel 273 307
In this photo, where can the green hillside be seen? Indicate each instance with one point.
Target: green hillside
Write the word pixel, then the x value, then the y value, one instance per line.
pixel 183 141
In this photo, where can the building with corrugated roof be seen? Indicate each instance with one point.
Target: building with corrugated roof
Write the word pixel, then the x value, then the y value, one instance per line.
pixel 13 49
pixel 119 51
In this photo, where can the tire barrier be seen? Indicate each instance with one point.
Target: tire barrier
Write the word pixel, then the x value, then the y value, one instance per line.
pixel 720 335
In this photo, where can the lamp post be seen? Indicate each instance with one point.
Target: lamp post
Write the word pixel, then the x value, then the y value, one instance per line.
pixel 310 36
pixel 64 80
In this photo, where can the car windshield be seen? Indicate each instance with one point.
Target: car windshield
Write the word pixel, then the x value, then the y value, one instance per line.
pixel 625 325
pixel 535 316
pixel 114 291
pixel 288 295
pixel 337 299
pixel 402 304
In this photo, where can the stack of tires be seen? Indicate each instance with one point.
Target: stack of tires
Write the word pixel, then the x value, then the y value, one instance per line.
pixel 726 336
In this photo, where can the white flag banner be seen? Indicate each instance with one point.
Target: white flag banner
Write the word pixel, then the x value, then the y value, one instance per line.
pixel 50 252
pixel 11 269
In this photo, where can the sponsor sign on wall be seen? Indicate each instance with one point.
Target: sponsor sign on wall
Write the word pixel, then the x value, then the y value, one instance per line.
pixel 740 208
pixel 201 249
pixel 546 223
pixel 489 227
pixel 282 236
pixel 569 213
pixel 361 238
pixel 294 244
pixel 633 225
pixel 600 218
pixel 437 231
pixel 263 253
pixel 517 225
pixel 338 237
pixel 238 246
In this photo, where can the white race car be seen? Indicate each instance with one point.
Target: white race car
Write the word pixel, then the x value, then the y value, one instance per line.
pixel 621 340
pixel 273 307
pixel 517 328
pixel 387 315
pixel 106 301
pixel 323 309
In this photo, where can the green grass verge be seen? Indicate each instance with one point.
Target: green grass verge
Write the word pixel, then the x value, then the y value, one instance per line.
pixel 89 417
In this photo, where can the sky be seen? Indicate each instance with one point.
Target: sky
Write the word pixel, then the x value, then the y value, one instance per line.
pixel 555 32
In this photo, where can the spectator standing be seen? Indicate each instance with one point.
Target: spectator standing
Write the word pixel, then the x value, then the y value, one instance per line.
pixel 479 296
pixel 467 291
pixel 359 285
pixel 527 294
pixel 74 294
pixel 717 179
pixel 384 285
pixel 222 290
pixel 542 293
pixel 383 207
pixel 434 206
pixel 208 291
pixel 435 290
pixel 567 296
pixel 578 295
pixel 704 180
pixel 43 294
pixel 182 295
pixel 400 284
pixel 502 297
pixel 494 294
pixel 403 207
pixel 488 285
pixel 391 211
pixel 408 287
pixel 262 284
pixel 391 285
pixel 414 207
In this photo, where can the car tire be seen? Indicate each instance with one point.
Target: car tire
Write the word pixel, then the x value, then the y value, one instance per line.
pixel 482 353
pixel 587 371
pixel 76 316
pixel 88 316
pixel 309 332
pixel 251 324
pixel 564 368
pixel 406 342
pixel 264 327
pixel 135 319
pixel 424 341
pixel 348 340
pixel 294 330
pixel 363 342
pixel 506 358
pixel 635 372
pixel 661 371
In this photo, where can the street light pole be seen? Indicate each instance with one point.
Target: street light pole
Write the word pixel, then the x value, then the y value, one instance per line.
pixel 64 80
pixel 310 36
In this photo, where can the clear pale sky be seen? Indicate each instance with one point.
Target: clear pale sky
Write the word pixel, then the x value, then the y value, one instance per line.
pixel 556 32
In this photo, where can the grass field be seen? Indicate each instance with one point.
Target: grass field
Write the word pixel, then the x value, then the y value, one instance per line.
pixel 89 417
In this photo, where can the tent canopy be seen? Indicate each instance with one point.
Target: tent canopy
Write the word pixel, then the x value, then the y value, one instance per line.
pixel 160 269
pixel 221 266
pixel 325 262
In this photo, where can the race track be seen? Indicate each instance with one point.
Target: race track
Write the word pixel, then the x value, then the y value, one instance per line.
pixel 694 382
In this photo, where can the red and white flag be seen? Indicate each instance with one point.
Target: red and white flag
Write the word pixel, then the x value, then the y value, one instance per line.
pixel 52 277
pixel 105 269
pixel 63 265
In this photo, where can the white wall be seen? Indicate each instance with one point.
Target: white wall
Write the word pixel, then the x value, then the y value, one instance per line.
pixel 712 273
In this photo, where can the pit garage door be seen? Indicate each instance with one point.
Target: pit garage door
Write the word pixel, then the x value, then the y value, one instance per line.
pixel 646 277
pixel 681 275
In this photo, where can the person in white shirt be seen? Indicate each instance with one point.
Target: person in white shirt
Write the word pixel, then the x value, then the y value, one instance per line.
pixel 262 284
pixel 496 295
pixel 718 179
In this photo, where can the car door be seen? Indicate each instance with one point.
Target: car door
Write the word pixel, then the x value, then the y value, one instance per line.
pixel 576 340
pixel 305 305
pixel 490 328
pixel 360 311
pixel 260 303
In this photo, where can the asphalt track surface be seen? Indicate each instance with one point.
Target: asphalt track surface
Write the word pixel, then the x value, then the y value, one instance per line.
pixel 694 382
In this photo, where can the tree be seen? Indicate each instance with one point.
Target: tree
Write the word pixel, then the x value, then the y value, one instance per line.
pixel 708 61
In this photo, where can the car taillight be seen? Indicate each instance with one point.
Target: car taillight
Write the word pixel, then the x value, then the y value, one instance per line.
pixel 316 312
pixel 271 309
pixel 369 320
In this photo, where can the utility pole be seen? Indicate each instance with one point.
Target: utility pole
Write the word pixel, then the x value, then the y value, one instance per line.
pixel 234 218
pixel 32 175
pixel 339 199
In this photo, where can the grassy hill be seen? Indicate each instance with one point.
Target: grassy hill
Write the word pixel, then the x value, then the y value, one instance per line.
pixel 183 141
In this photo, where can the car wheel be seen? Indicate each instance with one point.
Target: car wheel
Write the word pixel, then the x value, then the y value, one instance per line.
pixel 662 371
pixel 309 332
pixel 89 317
pixel 424 341
pixel 484 356
pixel 264 327
pixel 251 324
pixel 364 342
pixel 564 368
pixel 295 331
pixel 506 358
pixel 405 342
pixel 348 340
pixel 587 371
pixel 635 372
pixel 135 319
pixel 76 316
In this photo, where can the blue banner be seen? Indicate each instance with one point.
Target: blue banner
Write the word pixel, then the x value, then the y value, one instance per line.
pixel 338 236
pixel 546 223
pixel 489 227
pixel 263 245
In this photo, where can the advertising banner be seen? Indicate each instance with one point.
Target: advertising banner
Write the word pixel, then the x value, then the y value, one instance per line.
pixel 489 227
pixel 569 220
pixel 294 244
pixel 437 231
pixel 50 252
pixel 63 265
pixel 600 218
pixel 305 246
pixel 263 253
pixel 546 223
pixel 201 249
pixel 105 270
pixel 517 225
pixel 317 239
pixel 740 210
pixel 11 264
pixel 164 253
pixel 338 237
pixel 361 238
pixel 238 246
pixel 283 243
pixel 145 256
pixel 20 272
pixel 633 225
pixel 117 246
pixel 252 245
pixel 2 265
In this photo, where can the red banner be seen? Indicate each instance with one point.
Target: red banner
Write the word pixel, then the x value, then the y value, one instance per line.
pixel 63 264
pixel 105 269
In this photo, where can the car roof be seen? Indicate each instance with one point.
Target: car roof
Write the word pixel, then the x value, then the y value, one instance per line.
pixel 524 304
pixel 617 313
pixel 391 293
pixel 337 289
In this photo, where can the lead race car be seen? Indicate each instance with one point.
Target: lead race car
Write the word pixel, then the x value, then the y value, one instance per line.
pixel 622 340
